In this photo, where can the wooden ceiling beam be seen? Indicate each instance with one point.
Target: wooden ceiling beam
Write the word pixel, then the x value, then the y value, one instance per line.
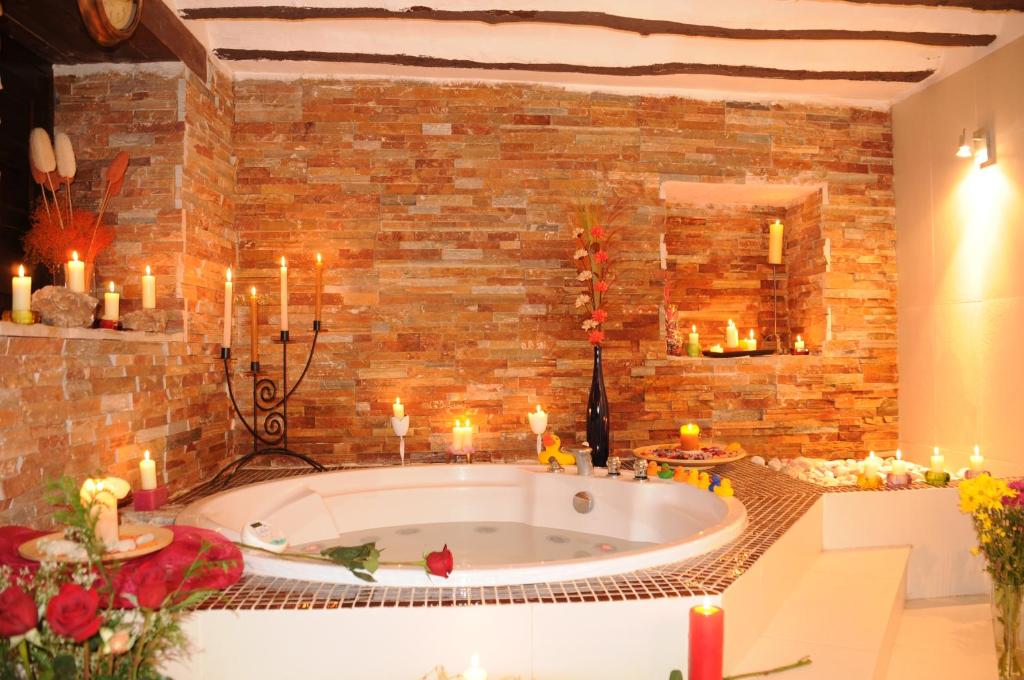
pixel 671 68
pixel 165 25
pixel 593 19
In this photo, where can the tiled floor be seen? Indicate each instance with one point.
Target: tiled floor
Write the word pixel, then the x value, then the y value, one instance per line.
pixel 949 639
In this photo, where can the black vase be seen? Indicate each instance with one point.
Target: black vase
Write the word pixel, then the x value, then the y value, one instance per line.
pixel 598 424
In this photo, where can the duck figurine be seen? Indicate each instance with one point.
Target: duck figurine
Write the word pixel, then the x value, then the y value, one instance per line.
pixel 553 447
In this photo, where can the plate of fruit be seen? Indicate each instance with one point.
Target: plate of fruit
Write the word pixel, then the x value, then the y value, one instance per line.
pixel 704 457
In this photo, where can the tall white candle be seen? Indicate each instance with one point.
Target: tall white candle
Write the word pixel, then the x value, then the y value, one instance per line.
pixel 457 436
pixel 732 335
pixel 775 243
pixel 938 461
pixel 21 290
pixel 694 337
pixel 284 295
pixel 105 511
pixel 147 472
pixel 398 408
pixel 977 463
pixel 467 436
pixel 111 304
pixel 76 274
pixel 148 289
pixel 229 292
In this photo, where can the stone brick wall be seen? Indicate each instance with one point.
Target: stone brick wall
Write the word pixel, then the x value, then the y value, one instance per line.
pixel 89 403
pixel 443 212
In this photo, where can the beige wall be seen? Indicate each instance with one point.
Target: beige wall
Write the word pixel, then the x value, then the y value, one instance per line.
pixel 960 251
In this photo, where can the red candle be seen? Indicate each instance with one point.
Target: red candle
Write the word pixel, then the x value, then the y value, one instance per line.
pixel 707 625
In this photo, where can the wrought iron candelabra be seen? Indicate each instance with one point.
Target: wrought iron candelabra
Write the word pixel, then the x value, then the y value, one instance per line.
pixel 269 427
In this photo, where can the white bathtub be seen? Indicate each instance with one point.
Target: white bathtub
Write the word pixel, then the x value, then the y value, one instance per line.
pixel 677 521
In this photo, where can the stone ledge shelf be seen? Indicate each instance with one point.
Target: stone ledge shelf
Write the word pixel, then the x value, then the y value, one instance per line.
pixel 38 330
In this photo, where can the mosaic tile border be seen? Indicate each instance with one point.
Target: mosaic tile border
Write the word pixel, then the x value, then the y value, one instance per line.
pixel 774 502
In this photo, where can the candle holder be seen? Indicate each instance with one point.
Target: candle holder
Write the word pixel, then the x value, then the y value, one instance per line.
pixel 149 499
pixel 873 481
pixel 971 474
pixel 897 481
pixel 269 427
pixel 401 428
pixel 456 455
pixel 936 478
pixel 23 316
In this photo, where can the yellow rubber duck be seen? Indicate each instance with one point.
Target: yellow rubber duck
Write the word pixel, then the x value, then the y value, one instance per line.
pixel 553 447
pixel 693 477
pixel 724 488
pixel 681 475
pixel 703 480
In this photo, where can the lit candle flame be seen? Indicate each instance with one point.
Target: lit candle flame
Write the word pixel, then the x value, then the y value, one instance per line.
pixel 319 260
pixel 149 272
pixel 977 450
pixel 74 255
pixel 146 454
pixel 799 339
pixel 21 271
pixel 252 291
pixel 283 262
pixel 693 328
pixel 871 455
pixel 935 450
pixel 751 333
pixel 899 455
pixel 228 274
pixel 111 286
pixel 538 408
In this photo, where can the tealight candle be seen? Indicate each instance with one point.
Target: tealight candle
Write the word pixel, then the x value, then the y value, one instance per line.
pixel 148 289
pixel 229 292
pixel 21 297
pixel 750 343
pixel 976 461
pixel 899 466
pixel 76 274
pixel 732 338
pixel 147 472
pixel 707 628
pixel 775 232
pixel 693 344
pixel 474 672
pixel 799 344
pixel 938 461
pixel 689 437
pixel 398 408
pixel 284 295
pixel 111 304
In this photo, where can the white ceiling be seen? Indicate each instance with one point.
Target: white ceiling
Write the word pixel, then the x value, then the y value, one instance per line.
pixel 596 46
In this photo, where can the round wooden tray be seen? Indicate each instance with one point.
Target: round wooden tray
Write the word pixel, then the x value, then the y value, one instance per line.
pixel 646 452
pixel 162 537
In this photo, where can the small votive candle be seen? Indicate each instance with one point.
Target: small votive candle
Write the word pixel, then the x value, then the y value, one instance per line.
pixel 938 461
pixel 899 466
pixel 707 635
pixel 976 462
pixel 148 289
pixel 111 304
pixel 147 472
pixel 799 345
pixel 689 437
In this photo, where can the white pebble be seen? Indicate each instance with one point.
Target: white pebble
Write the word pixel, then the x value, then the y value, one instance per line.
pixel 757 460
pixel 775 464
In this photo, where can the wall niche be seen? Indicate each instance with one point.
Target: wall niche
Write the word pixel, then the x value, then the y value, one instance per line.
pixel 716 261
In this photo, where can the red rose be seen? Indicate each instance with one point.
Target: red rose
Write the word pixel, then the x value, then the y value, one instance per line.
pixel 150 586
pixel 72 612
pixel 17 612
pixel 440 563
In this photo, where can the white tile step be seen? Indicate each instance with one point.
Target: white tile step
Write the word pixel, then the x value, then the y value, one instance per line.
pixel 844 613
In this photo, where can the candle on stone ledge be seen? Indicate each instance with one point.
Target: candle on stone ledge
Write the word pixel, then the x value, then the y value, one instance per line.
pixel 689 437
pixel 871 465
pixel 750 343
pixel 21 297
pixel 938 462
pixel 398 408
pixel 732 338
pixel 977 462
pixel 319 287
pixel 693 342
pixel 76 274
pixel 799 344
pixel 284 295
pixel 147 472
pixel 775 243
pixel 148 289
pixel 229 291
pixel 111 304
pixel 254 326
pixel 707 635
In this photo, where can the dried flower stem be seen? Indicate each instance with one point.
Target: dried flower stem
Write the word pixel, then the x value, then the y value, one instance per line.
pixel 60 218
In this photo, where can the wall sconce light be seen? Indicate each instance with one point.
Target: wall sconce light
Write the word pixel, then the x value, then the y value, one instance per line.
pixel 979 146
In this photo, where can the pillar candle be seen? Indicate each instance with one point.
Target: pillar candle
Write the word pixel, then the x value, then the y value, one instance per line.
pixel 284 295
pixel 457 436
pixel 775 243
pixel 799 344
pixel 707 630
pixel 938 461
pixel 254 325
pixel 871 465
pixel 474 672
pixel 319 287
pixel 732 338
pixel 147 472
pixel 104 509
pixel 693 342
pixel 21 290
pixel 398 408
pixel 148 289
pixel 229 292
pixel 976 462
pixel 750 343
pixel 76 274
pixel 689 437
pixel 538 420
pixel 111 304
pixel 899 466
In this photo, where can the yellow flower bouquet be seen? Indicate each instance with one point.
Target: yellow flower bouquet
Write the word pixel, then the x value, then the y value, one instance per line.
pixel 997 511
